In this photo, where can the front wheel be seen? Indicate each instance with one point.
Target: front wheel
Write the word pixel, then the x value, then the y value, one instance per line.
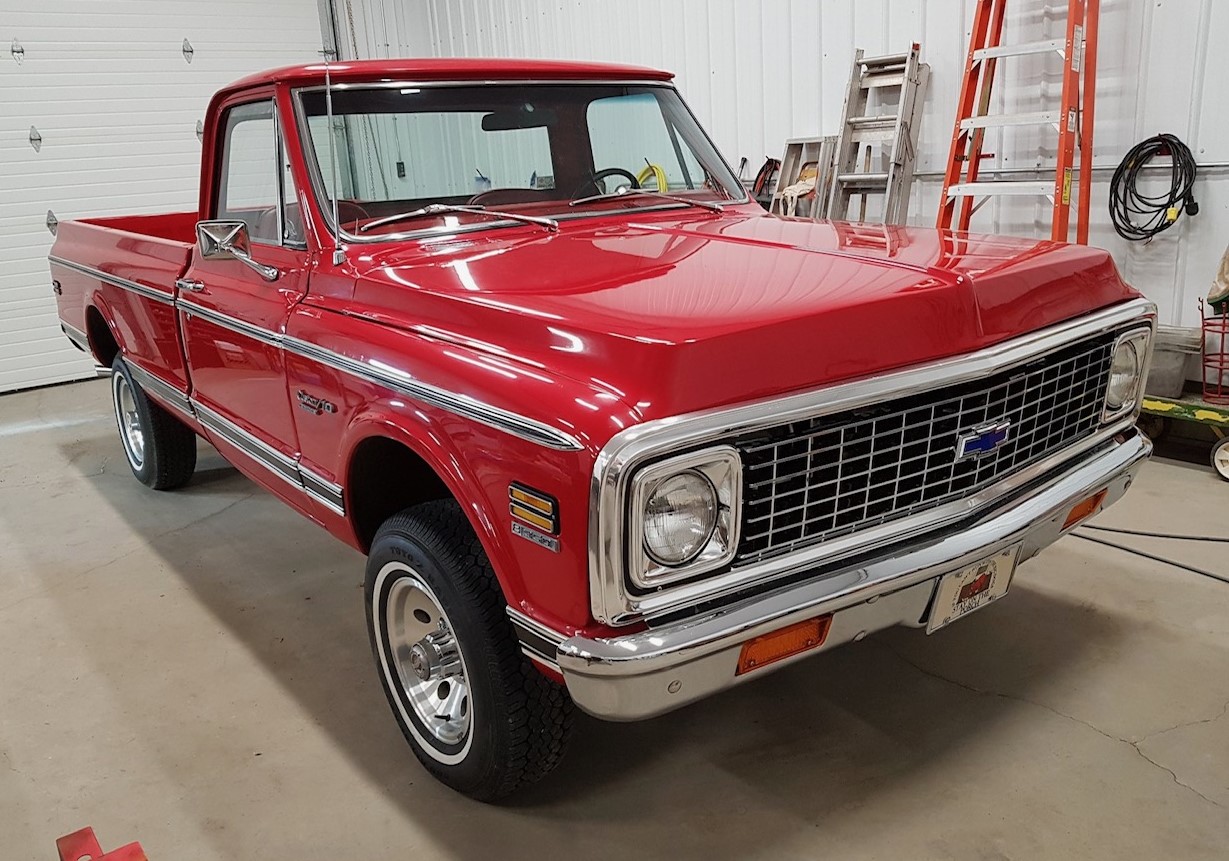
pixel 477 714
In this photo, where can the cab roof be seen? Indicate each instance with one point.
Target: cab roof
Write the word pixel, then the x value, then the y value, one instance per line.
pixel 450 69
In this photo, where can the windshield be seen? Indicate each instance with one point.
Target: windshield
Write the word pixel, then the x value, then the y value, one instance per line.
pixel 528 149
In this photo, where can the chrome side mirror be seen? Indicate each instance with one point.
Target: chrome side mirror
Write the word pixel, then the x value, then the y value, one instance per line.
pixel 229 240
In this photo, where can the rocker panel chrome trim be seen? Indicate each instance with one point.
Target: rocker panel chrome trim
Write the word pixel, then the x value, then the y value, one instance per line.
pixel 537 641
pixel 163 391
pixel 80 340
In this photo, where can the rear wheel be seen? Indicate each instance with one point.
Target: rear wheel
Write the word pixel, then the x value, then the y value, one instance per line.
pixel 475 711
pixel 161 450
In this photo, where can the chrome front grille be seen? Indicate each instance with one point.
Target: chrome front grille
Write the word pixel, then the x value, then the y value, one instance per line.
pixel 819 479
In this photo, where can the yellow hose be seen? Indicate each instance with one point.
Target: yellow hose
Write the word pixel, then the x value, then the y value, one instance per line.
pixel 655 171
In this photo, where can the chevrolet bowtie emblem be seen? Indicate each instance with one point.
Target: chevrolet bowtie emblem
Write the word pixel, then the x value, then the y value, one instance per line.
pixel 982 440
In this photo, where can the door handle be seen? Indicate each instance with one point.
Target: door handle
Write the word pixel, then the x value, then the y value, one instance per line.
pixel 189 286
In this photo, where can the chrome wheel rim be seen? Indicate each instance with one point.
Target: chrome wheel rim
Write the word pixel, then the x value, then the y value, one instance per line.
pixel 129 419
pixel 425 663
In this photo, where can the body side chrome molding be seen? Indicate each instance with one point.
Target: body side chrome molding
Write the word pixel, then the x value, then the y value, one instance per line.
pixel 538 642
pixel 287 468
pixel 618 461
pixel 462 405
pixel 259 333
pixel 322 489
pixel 399 381
pixel 147 292
pixel 163 391
pixel 80 340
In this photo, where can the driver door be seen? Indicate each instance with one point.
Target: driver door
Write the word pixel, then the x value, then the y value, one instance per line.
pixel 233 316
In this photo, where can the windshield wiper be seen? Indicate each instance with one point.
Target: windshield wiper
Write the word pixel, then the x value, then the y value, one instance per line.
pixel 442 208
pixel 627 192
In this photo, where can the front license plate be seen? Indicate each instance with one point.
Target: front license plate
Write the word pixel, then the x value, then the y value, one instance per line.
pixel 972 588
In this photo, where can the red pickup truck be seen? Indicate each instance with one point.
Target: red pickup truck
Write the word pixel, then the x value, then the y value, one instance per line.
pixel 608 433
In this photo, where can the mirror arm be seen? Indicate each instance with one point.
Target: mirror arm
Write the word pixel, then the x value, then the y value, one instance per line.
pixel 269 273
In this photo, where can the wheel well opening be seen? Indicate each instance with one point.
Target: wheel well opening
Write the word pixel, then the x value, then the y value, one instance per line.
pixel 386 477
pixel 102 342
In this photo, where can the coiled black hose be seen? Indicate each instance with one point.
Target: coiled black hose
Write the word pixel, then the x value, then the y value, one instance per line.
pixel 1155 213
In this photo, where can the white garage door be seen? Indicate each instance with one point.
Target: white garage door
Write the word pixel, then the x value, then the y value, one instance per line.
pixel 111 92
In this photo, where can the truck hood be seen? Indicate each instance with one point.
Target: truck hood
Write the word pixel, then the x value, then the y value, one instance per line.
pixel 674 313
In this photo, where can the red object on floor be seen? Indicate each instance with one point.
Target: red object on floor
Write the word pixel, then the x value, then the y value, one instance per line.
pixel 82 844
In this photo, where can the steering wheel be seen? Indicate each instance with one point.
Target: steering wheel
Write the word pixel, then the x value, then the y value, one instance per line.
pixel 599 176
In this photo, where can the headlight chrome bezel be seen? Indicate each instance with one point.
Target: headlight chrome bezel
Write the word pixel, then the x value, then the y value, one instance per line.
pixel 721 466
pixel 1139 342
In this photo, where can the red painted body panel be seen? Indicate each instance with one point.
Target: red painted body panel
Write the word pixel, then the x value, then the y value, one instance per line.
pixel 679 311
pixel 151 251
pixel 611 321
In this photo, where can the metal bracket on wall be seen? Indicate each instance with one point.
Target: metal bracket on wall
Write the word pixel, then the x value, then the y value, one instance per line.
pixel 36 140
pixel 200 130
pixel 18 52
pixel 188 50
pixel 52 222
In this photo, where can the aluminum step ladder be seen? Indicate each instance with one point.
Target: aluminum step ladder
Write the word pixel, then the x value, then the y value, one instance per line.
pixel 897 80
pixel 1073 119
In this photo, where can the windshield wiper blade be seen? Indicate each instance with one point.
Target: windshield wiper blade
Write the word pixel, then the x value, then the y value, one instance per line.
pixel 442 208
pixel 627 192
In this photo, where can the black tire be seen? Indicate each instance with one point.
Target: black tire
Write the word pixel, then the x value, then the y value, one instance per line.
pixel 166 456
pixel 519 721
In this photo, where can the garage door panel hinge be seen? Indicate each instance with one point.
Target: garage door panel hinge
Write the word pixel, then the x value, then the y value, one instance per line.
pixel 36 139
pixel 188 50
pixel 18 52
pixel 52 222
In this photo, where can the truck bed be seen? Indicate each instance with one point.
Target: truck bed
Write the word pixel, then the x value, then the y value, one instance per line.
pixel 126 268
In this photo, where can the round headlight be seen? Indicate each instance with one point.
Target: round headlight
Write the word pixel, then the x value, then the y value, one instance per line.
pixel 679 518
pixel 1124 376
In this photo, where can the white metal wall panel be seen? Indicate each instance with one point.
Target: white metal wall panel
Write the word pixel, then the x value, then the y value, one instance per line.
pixel 759 71
pixel 107 86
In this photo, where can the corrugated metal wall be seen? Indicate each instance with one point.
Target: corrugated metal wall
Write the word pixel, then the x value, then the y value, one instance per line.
pixel 116 102
pixel 759 71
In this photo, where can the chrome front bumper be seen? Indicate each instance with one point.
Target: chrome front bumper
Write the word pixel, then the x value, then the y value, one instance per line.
pixel 653 671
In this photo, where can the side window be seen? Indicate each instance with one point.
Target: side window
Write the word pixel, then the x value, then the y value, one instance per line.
pixel 631 132
pixel 249 175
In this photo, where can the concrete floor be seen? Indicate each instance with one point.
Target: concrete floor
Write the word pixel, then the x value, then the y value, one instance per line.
pixel 191 670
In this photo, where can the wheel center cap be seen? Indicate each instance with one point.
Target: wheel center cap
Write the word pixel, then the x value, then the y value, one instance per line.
pixel 435 656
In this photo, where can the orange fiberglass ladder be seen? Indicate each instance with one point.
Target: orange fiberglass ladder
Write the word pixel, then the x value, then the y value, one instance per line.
pixel 1074 119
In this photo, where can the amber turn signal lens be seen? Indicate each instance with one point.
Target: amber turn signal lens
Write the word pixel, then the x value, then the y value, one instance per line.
pixel 1084 510
pixel 778 645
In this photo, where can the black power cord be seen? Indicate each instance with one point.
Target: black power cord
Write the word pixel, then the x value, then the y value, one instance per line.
pixel 1157 213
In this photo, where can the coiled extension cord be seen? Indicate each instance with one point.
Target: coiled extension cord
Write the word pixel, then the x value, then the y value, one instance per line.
pixel 1157 213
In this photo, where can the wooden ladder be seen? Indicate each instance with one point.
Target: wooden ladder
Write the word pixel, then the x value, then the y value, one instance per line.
pixel 1073 119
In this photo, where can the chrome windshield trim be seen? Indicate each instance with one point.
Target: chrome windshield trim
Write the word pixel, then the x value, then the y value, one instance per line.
pixel 317 180
pixel 115 280
pixel 462 405
pixel 612 602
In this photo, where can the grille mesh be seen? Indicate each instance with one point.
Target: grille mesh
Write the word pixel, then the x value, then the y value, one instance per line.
pixel 819 479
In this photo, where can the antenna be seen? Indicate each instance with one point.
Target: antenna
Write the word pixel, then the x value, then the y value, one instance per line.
pixel 339 254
